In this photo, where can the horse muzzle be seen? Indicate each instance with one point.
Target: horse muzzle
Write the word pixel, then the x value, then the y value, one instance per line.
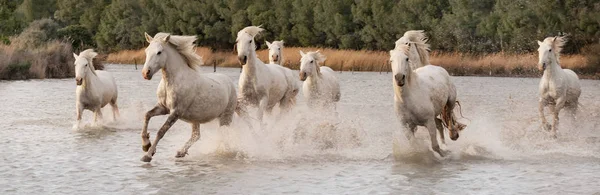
pixel 303 76
pixel 543 66
pixel 243 60
pixel 79 81
pixel 146 74
pixel 400 79
pixel 455 137
pixel 275 58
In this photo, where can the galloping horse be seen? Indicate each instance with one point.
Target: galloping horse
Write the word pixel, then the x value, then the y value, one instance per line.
pixel 184 92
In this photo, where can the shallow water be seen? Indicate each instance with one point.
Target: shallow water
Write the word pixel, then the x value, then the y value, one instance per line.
pixel 361 151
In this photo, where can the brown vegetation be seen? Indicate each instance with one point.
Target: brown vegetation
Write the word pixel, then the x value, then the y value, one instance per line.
pixel 458 64
pixel 51 60
pixel 35 53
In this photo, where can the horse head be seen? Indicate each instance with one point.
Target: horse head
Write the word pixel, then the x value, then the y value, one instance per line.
pixel 400 63
pixel 83 65
pixel 245 44
pixel 155 55
pixel 275 53
pixel 309 64
pixel 549 51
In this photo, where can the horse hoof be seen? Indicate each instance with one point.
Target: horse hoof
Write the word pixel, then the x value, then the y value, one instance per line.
pixel 146 158
pixel 146 147
pixel 180 154
pixel 547 127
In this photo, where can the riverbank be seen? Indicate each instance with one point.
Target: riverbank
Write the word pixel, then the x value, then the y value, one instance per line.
pixel 458 64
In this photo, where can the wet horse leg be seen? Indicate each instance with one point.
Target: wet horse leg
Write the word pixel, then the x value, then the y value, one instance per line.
pixel 159 135
pixel 115 109
pixel 431 127
pixel 195 136
pixel 542 104
pixel 97 114
pixel 157 110
pixel 560 103
pixel 79 112
pixel 440 128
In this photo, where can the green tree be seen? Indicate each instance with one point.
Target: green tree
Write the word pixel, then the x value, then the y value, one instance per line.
pixel 120 27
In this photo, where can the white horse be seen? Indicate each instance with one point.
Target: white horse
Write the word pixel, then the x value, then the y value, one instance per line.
pixel 263 85
pixel 419 50
pixel 95 88
pixel 420 96
pixel 275 52
pixel 321 88
pixel 184 92
pixel 559 88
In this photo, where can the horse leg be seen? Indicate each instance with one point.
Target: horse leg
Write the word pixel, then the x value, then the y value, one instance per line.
pixel 263 104
pixel 432 135
pixel 157 110
pixel 440 128
pixel 79 112
pixel 97 114
pixel 195 136
pixel 115 109
pixel 560 103
pixel 159 135
pixel 409 131
pixel 545 125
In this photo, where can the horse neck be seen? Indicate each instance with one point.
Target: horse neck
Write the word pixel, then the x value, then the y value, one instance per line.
pixel 553 68
pixel 253 64
pixel 90 80
pixel 314 79
pixel 176 68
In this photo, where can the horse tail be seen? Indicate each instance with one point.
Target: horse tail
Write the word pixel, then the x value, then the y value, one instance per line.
pixel 449 119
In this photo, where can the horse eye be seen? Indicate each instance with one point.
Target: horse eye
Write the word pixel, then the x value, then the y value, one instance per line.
pixel 550 50
pixel 311 61
pixel 279 49
pixel 250 41
pixel 159 53
pixel 85 64
pixel 407 59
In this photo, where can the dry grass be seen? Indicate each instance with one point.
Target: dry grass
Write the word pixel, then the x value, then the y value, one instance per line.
pixel 497 64
pixel 50 60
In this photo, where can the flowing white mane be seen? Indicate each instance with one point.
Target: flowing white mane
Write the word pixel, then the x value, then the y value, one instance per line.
pixel 89 55
pixel 400 48
pixel 185 46
pixel 418 38
pixel 278 43
pixel 317 56
pixel 556 43
pixel 251 30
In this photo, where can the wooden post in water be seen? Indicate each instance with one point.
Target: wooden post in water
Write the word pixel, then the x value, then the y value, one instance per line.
pixel 342 67
pixel 215 65
pixel 135 62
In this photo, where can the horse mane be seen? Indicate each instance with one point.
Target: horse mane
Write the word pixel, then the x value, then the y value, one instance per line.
pixel 89 55
pixel 418 38
pixel 251 30
pixel 279 43
pixel 557 44
pixel 185 46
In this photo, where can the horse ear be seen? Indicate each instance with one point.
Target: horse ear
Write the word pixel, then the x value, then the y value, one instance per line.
pixel 75 55
pixel 553 40
pixel 539 43
pixel 166 39
pixel 282 43
pixel 148 37
pixel 268 44
pixel 302 53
